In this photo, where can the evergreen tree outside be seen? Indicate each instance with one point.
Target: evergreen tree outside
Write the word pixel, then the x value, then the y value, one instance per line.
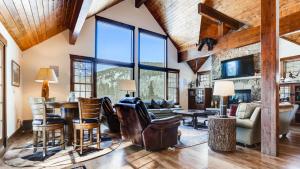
pixel 151 90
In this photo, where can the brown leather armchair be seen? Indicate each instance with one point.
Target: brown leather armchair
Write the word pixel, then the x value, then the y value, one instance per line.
pixel 110 115
pixel 137 125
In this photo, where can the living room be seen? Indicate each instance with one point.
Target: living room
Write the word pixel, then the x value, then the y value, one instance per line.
pixel 177 84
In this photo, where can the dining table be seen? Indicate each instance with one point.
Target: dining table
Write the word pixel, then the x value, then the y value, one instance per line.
pixel 69 111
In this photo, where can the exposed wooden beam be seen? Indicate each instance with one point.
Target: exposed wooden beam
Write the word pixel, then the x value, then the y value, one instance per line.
pixel 79 14
pixel 218 16
pixel 270 76
pixel 139 3
pixel 242 38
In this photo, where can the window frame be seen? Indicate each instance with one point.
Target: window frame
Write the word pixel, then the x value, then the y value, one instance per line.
pixel 77 58
pixel 118 24
pixel 177 71
pixel 99 60
pixel 141 30
pixel 208 73
pixel 135 64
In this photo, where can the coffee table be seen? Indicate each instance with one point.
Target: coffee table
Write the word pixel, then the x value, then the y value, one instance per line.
pixel 194 114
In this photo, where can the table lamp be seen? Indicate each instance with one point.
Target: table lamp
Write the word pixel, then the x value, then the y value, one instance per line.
pixel 128 86
pixel 223 89
pixel 46 76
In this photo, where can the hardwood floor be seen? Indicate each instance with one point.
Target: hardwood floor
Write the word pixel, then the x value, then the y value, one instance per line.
pixel 128 156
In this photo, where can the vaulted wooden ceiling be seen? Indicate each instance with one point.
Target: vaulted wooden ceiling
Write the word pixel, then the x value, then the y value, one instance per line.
pixel 181 20
pixel 33 21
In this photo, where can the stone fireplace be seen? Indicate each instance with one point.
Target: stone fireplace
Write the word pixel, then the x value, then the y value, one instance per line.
pixel 249 85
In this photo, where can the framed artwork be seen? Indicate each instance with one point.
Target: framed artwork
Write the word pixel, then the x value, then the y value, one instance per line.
pixel 15 74
pixel 56 70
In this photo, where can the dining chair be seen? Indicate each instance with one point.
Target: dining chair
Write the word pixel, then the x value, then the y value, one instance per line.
pixel 44 124
pixel 89 113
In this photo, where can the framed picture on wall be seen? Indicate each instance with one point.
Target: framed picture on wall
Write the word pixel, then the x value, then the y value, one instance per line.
pixel 15 74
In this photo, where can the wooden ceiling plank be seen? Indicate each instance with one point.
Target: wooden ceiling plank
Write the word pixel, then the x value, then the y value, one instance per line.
pixel 46 16
pixel 139 3
pixel 242 38
pixel 218 16
pixel 21 23
pixel 36 19
pixel 41 16
pixel 10 24
pixel 30 19
pixel 30 32
pixel 61 15
pixel 78 19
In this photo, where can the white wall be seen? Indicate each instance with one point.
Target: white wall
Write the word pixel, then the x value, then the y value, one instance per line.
pixel 13 94
pixel 287 48
pixel 56 50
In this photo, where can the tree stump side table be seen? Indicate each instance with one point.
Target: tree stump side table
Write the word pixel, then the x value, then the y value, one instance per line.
pixel 221 133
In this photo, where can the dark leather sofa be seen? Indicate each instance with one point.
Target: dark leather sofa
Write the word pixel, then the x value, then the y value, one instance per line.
pixel 136 125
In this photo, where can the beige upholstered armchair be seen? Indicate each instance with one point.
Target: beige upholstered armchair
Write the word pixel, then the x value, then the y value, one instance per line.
pixel 286 115
pixel 248 123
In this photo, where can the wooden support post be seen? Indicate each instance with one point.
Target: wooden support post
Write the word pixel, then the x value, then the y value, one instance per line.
pixel 270 76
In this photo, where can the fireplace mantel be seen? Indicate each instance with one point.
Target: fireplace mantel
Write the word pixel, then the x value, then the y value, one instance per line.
pixel 240 78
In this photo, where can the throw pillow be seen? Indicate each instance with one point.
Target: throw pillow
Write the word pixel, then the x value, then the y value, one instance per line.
pixel 170 103
pixel 233 109
pixel 163 104
pixel 148 104
pixel 155 105
pixel 245 110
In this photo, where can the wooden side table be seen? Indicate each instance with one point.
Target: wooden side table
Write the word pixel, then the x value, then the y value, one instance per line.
pixel 222 134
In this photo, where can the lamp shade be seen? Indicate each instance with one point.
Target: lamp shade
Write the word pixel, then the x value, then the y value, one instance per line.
pixel 127 85
pixel 223 88
pixel 46 74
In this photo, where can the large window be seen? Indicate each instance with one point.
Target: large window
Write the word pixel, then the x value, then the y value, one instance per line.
pixel 114 52
pixel 152 49
pixel 114 61
pixel 114 41
pixel 152 65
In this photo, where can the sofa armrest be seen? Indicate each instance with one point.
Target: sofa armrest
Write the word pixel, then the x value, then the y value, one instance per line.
pixel 161 133
pixel 244 123
pixel 249 123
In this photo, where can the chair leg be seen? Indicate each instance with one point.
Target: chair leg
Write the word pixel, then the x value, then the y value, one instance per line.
pixel 75 139
pixel 62 138
pixel 53 137
pixel 35 140
pixel 81 140
pixel 44 142
pixel 98 137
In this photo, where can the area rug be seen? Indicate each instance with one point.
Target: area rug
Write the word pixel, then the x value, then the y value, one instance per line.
pixel 56 157
pixel 191 137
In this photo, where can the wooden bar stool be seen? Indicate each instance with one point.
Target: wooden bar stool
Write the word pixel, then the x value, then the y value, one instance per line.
pixel 89 113
pixel 44 124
